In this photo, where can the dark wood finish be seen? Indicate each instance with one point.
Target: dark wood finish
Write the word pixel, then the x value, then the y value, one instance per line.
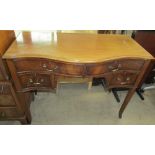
pixel 132 90
pixel 113 66
pixel 121 79
pixel 32 73
pixel 24 65
pixel 6 113
pixel 13 105
pixel 123 73
pixel 35 81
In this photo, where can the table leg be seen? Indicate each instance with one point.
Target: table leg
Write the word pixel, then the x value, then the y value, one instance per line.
pixel 27 119
pixel 126 101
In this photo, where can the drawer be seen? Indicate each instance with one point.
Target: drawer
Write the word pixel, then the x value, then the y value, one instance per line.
pixel 70 69
pixel 8 112
pixel 35 81
pixel 31 65
pixel 49 66
pixel 121 78
pixel 113 66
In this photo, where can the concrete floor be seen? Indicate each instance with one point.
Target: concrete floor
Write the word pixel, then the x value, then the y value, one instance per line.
pixel 74 104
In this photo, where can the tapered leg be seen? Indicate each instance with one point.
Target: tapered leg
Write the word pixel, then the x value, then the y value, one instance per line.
pixel 24 121
pixel 126 101
pixel 28 116
pixel 27 119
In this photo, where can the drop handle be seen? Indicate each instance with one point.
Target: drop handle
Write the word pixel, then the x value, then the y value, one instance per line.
pixel 116 69
pixel 44 66
pixel 51 70
pixel 123 83
pixel 128 79
pixel 36 83
pixel 30 80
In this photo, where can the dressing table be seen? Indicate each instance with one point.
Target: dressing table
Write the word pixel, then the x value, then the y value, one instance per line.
pixel 37 60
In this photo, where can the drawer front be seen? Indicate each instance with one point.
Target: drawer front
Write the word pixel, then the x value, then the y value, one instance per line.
pixel 35 81
pixel 113 66
pixel 30 65
pixel 121 78
pixel 8 113
pixel 69 69
pixel 49 66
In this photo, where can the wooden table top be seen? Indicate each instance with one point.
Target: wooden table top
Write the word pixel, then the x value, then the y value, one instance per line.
pixel 74 47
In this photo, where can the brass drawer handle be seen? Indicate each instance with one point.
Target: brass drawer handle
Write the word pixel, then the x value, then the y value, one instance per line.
pixel 128 79
pixel 44 66
pixel 123 83
pixel 114 70
pixel 30 80
pixel 118 79
pixel 56 67
pixel 36 83
pixel 2 114
pixel 51 70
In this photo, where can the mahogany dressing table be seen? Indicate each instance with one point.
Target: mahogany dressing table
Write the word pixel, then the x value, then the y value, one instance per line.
pixel 36 60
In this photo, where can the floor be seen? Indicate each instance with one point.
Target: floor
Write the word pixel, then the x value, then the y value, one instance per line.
pixel 75 105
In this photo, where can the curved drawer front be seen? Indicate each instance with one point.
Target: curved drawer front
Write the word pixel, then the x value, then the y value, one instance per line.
pixel 121 79
pixel 49 66
pixel 113 66
pixel 35 81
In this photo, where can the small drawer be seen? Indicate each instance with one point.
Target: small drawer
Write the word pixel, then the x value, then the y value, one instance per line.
pixel 28 65
pixel 113 66
pixel 130 64
pixel 8 112
pixel 35 81
pixel 49 66
pixel 121 78
pixel 70 69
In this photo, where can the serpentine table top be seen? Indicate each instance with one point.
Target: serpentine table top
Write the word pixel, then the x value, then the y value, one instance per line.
pixel 74 47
